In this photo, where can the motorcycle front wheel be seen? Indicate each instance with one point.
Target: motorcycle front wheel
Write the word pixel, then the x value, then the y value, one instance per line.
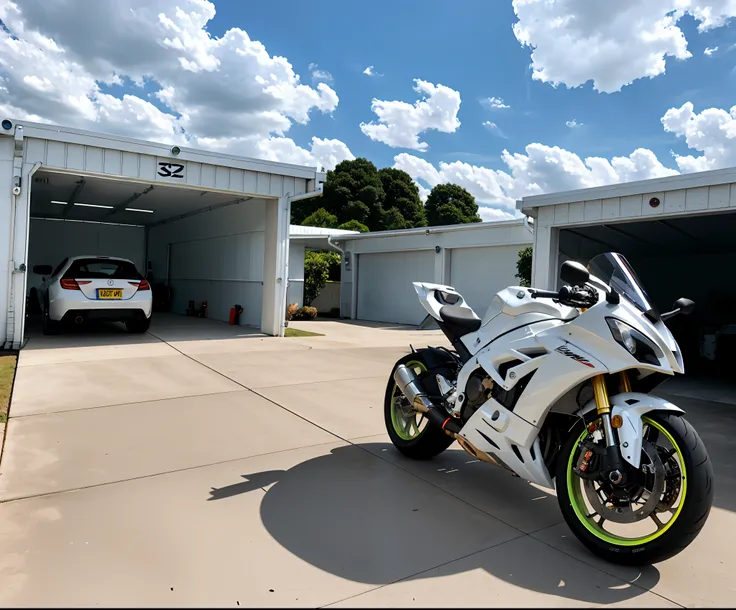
pixel 661 508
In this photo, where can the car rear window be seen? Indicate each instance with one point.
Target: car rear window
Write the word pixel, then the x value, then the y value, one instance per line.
pixel 101 269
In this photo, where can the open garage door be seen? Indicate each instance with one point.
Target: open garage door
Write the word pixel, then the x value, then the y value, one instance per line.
pixel 385 291
pixel 191 244
pixel 479 273
pixel 693 257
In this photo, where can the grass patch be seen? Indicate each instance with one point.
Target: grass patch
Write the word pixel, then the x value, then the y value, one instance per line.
pixel 295 332
pixel 7 373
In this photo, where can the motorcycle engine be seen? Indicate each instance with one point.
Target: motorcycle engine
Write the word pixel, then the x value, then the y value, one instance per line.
pixel 477 391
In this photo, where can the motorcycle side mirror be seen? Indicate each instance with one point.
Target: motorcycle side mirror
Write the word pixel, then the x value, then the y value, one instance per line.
pixel 686 306
pixel 683 306
pixel 574 273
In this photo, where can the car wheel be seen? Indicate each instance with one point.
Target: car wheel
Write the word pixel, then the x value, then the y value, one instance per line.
pixel 48 326
pixel 138 326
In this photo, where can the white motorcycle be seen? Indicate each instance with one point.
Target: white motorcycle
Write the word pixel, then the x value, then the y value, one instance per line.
pixel 554 386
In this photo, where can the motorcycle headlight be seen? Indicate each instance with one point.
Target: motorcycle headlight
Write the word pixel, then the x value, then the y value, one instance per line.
pixel 634 342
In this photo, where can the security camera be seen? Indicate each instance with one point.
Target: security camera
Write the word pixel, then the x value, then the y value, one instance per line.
pixel 16 185
pixel 175 150
pixel 7 124
pixel 16 190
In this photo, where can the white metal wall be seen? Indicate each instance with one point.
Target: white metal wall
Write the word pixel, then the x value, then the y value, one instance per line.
pixel 678 196
pixel 51 241
pixel 385 291
pixel 378 268
pixel 385 288
pixel 124 164
pixel 215 256
pixel 295 289
pixel 479 273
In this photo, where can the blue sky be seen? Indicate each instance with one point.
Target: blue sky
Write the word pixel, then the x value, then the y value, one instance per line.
pixel 468 46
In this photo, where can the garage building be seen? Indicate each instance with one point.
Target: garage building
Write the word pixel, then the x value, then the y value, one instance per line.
pixel 213 227
pixel 476 259
pixel 677 233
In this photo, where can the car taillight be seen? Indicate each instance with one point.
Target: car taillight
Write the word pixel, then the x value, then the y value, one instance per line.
pixel 142 285
pixel 72 284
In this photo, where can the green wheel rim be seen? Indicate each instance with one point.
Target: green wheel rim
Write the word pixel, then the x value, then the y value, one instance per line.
pixel 407 428
pixel 575 494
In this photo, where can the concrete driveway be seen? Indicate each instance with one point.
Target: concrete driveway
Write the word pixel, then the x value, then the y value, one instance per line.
pixel 204 465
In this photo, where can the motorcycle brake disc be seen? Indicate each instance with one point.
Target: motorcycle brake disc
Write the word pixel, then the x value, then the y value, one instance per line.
pixel 613 511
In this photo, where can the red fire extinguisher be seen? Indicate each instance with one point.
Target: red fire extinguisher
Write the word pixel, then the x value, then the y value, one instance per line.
pixel 235 312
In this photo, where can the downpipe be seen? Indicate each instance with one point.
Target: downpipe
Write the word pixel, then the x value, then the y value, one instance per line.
pixel 408 383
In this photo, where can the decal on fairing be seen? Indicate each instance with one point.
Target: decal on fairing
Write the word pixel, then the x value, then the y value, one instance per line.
pixel 565 351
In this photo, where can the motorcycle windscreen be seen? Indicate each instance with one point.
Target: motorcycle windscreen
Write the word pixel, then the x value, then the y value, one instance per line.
pixel 613 269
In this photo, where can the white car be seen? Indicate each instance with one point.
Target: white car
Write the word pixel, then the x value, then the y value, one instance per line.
pixel 94 288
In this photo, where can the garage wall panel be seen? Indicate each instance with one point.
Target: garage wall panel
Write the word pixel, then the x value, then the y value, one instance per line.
pixel 94 159
pixel 56 153
pixel 215 256
pixel 113 162
pixel 479 273
pixel 385 291
pixel 75 157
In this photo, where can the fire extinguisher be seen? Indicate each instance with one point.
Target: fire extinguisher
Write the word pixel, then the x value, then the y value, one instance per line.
pixel 235 312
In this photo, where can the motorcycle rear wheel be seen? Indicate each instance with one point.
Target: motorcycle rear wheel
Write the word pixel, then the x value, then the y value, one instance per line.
pixel 410 432
pixel 687 501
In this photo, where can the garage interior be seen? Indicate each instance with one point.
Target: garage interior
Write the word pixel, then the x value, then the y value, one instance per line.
pixel 692 257
pixel 191 244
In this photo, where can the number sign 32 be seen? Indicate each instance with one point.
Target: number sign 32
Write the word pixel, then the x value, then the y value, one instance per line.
pixel 170 170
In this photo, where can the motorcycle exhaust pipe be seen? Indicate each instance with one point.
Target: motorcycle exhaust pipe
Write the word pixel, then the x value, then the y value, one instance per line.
pixel 408 383
pixel 78 320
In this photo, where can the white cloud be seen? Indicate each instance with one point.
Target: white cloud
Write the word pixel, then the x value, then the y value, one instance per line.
pixel 371 71
pixel 610 43
pixel 400 124
pixel 496 103
pixel 712 132
pixel 58 56
pixel 708 51
pixel 573 124
pixel 540 169
pixel 320 75
pixel 494 214
pixel 493 128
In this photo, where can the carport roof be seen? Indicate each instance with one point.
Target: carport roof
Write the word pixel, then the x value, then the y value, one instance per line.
pixel 640 187
pixel 110 141
pixel 67 196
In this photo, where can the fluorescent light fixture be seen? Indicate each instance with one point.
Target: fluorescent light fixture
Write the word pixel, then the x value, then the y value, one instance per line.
pixel 58 202
pixel 138 210
pixel 94 205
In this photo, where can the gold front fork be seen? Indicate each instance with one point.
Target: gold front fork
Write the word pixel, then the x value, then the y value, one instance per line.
pixel 601 395
pixel 625 383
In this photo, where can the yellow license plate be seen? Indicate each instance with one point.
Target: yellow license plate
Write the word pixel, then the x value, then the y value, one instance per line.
pixel 109 293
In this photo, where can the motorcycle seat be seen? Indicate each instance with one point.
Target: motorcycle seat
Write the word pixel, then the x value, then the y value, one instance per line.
pixel 459 320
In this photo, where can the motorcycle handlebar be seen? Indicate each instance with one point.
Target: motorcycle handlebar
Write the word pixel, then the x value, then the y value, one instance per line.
pixel 544 294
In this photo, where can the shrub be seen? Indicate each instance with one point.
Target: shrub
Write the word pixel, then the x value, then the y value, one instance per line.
pixel 524 267
pixel 291 310
pixel 305 313
pixel 316 274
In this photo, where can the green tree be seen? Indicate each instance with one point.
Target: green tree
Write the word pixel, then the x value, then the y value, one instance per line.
pixel 354 225
pixel 524 267
pixel 402 193
pixel 316 274
pixel 450 204
pixel 393 220
pixel 321 218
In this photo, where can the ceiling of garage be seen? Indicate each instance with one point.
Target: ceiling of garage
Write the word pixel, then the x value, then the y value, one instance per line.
pixel 117 199
pixel 701 234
